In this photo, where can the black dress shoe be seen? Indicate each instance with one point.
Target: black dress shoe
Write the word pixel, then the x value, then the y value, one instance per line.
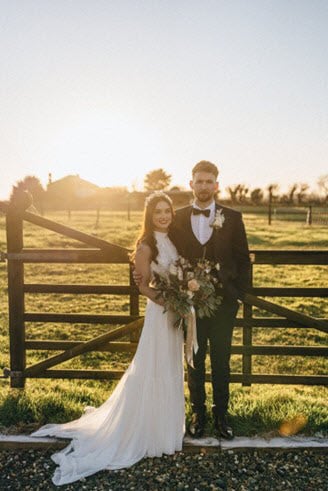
pixel 196 426
pixel 223 429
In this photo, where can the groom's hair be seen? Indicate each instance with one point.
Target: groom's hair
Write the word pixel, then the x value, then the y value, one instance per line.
pixel 205 166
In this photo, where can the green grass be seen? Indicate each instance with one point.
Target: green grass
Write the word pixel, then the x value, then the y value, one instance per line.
pixel 259 409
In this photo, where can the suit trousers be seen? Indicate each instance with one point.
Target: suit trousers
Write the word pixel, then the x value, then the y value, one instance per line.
pixel 216 330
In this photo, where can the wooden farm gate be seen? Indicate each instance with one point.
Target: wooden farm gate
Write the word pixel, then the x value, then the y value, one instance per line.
pixel 103 252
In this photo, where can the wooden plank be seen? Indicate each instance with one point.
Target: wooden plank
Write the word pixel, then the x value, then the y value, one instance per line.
pixel 113 347
pixel 96 256
pixel 130 347
pixel 289 292
pixel 15 445
pixel 80 374
pixel 282 350
pixel 262 322
pixel 247 337
pixel 14 227
pixel 302 319
pixel 74 234
pixel 234 378
pixel 80 289
pixel 289 379
pixel 67 231
pixel 126 289
pixel 315 257
pixel 79 318
pixel 275 322
pixel 120 255
pixel 81 348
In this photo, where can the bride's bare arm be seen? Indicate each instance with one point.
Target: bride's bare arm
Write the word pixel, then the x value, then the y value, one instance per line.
pixel 142 267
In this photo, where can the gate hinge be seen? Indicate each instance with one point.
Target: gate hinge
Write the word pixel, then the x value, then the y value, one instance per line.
pixel 12 373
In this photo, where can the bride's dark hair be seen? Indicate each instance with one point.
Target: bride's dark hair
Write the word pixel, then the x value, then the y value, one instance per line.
pixel 147 230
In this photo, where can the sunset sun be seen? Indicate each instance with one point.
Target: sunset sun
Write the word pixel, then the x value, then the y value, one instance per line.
pixel 107 150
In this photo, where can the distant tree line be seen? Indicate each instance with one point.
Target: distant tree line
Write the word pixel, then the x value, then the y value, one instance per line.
pixel 73 192
pixel 297 194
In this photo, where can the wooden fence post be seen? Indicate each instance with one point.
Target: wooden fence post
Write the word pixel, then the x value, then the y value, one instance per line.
pixel 247 338
pixel 14 224
pixel 309 216
pixel 270 208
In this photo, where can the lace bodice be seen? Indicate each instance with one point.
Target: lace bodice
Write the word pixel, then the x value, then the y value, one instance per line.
pixel 167 252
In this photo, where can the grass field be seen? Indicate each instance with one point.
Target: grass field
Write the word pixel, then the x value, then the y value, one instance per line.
pixel 259 409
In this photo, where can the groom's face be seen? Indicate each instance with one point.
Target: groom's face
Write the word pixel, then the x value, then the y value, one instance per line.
pixel 204 186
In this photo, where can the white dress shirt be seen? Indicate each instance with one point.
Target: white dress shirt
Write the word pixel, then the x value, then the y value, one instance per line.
pixel 201 224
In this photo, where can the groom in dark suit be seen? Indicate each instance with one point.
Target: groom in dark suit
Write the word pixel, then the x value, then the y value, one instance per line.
pixel 207 228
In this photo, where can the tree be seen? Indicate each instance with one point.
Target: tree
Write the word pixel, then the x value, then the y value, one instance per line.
pixel 323 185
pixel 303 187
pixel 233 191
pixel 156 180
pixel 291 193
pixel 271 189
pixel 33 185
pixel 242 193
pixel 257 196
pixel 238 193
pixel 296 190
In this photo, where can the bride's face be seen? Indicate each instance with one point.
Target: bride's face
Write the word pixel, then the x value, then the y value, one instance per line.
pixel 162 216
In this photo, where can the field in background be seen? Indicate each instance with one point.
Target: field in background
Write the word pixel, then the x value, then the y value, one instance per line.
pixel 255 409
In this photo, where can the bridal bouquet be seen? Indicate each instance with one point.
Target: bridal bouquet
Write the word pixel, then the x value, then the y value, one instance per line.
pixel 189 290
pixel 188 285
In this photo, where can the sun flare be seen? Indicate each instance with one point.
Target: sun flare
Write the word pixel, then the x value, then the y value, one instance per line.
pixel 107 151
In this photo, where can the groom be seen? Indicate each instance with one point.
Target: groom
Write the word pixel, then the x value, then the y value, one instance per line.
pixel 218 232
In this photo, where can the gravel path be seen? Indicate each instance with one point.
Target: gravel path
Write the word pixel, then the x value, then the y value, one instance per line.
pixel 229 470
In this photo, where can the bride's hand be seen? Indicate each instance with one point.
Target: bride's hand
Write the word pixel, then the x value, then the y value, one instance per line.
pixel 160 301
pixel 137 277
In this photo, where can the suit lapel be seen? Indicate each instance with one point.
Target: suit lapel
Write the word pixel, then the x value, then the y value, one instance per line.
pixel 218 236
pixel 190 230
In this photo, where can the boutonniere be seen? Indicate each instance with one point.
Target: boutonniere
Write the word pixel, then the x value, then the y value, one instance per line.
pixel 218 220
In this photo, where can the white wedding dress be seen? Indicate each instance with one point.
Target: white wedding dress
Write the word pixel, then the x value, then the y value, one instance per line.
pixel 144 416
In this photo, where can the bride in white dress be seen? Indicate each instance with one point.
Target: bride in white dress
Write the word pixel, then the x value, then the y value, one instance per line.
pixel 144 416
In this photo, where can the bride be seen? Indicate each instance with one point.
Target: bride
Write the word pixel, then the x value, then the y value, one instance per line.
pixel 144 416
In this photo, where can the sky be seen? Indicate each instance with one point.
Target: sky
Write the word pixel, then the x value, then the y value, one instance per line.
pixel 112 89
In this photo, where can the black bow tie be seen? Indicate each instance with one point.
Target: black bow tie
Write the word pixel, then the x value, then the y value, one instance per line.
pixel 198 211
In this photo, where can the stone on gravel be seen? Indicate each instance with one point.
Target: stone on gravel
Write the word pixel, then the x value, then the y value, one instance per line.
pixel 249 470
